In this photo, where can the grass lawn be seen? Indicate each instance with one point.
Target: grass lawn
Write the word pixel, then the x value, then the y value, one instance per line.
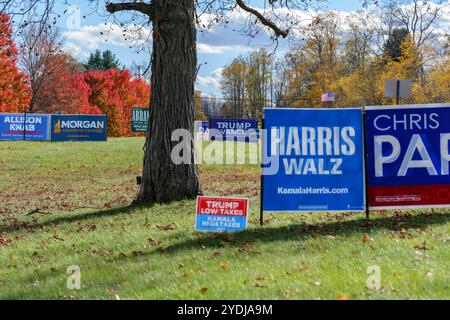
pixel 83 192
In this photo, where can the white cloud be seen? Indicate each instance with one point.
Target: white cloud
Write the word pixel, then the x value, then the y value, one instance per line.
pixel 212 81
pixel 75 50
pixel 219 49
pixel 92 36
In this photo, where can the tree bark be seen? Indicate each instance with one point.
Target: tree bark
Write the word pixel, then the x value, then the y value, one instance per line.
pixel 174 64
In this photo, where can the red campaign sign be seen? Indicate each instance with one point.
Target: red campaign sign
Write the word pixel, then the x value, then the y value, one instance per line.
pixel 218 206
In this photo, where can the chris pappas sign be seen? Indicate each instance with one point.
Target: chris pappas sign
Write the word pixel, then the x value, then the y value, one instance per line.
pixel 218 214
pixel 313 160
pixel 408 156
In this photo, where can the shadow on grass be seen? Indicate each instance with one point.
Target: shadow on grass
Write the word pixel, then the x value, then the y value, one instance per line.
pixel 73 218
pixel 409 222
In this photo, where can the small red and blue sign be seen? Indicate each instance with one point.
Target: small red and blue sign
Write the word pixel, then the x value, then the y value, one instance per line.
pixel 408 162
pixel 218 214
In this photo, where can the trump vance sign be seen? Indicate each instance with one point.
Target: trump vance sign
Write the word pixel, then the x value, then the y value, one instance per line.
pixel 233 130
pixel 408 156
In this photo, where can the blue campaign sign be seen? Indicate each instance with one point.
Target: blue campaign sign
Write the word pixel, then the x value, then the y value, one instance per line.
pixel 22 126
pixel 313 160
pixel 79 128
pixel 408 155
pixel 202 130
pixel 234 129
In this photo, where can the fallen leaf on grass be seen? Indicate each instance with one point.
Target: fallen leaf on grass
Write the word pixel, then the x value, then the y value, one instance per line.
pixel 57 238
pixel 245 247
pixel 224 266
pixel 217 254
pixel 153 242
pixel 341 297
pixel 422 247
pixel 203 290
pixel 4 241
pixel 167 227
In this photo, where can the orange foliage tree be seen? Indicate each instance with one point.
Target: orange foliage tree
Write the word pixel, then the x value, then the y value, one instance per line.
pixel 114 93
pixel 14 90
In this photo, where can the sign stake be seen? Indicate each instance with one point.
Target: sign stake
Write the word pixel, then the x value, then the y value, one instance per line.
pixel 261 202
pixel 366 177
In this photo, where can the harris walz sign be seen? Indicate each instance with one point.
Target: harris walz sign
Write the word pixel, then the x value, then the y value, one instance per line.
pixel 79 128
pixel 313 160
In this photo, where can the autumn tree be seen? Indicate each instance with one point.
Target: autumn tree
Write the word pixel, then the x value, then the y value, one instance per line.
pixel 114 93
pixel 233 85
pixel 42 59
pixel 14 90
pixel 174 69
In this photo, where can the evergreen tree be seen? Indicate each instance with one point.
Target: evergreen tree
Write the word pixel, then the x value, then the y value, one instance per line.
pixel 392 48
pixel 102 61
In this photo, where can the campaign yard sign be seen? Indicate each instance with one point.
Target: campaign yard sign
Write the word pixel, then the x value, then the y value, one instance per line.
pixel 313 160
pixel 202 130
pixel 139 119
pixel 78 128
pixel 408 156
pixel 22 126
pixel 218 214
pixel 233 130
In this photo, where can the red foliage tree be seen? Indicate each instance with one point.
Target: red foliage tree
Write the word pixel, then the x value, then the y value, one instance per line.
pixel 63 89
pixel 114 93
pixel 14 90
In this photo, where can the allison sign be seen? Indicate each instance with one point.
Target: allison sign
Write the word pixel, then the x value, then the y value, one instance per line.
pixel 313 160
pixel 24 126
pixel 79 128
pixel 408 156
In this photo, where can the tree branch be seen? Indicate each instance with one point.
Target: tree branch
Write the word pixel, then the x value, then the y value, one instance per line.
pixel 145 8
pixel 262 19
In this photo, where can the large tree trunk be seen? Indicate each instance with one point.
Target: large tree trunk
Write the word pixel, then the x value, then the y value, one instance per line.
pixel 174 65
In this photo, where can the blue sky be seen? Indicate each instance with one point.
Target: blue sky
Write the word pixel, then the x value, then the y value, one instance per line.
pixel 215 49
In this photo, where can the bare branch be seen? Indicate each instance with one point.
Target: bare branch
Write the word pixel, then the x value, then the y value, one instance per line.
pixel 263 20
pixel 145 8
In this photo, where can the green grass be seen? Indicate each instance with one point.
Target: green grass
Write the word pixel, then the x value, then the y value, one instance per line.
pixel 153 252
